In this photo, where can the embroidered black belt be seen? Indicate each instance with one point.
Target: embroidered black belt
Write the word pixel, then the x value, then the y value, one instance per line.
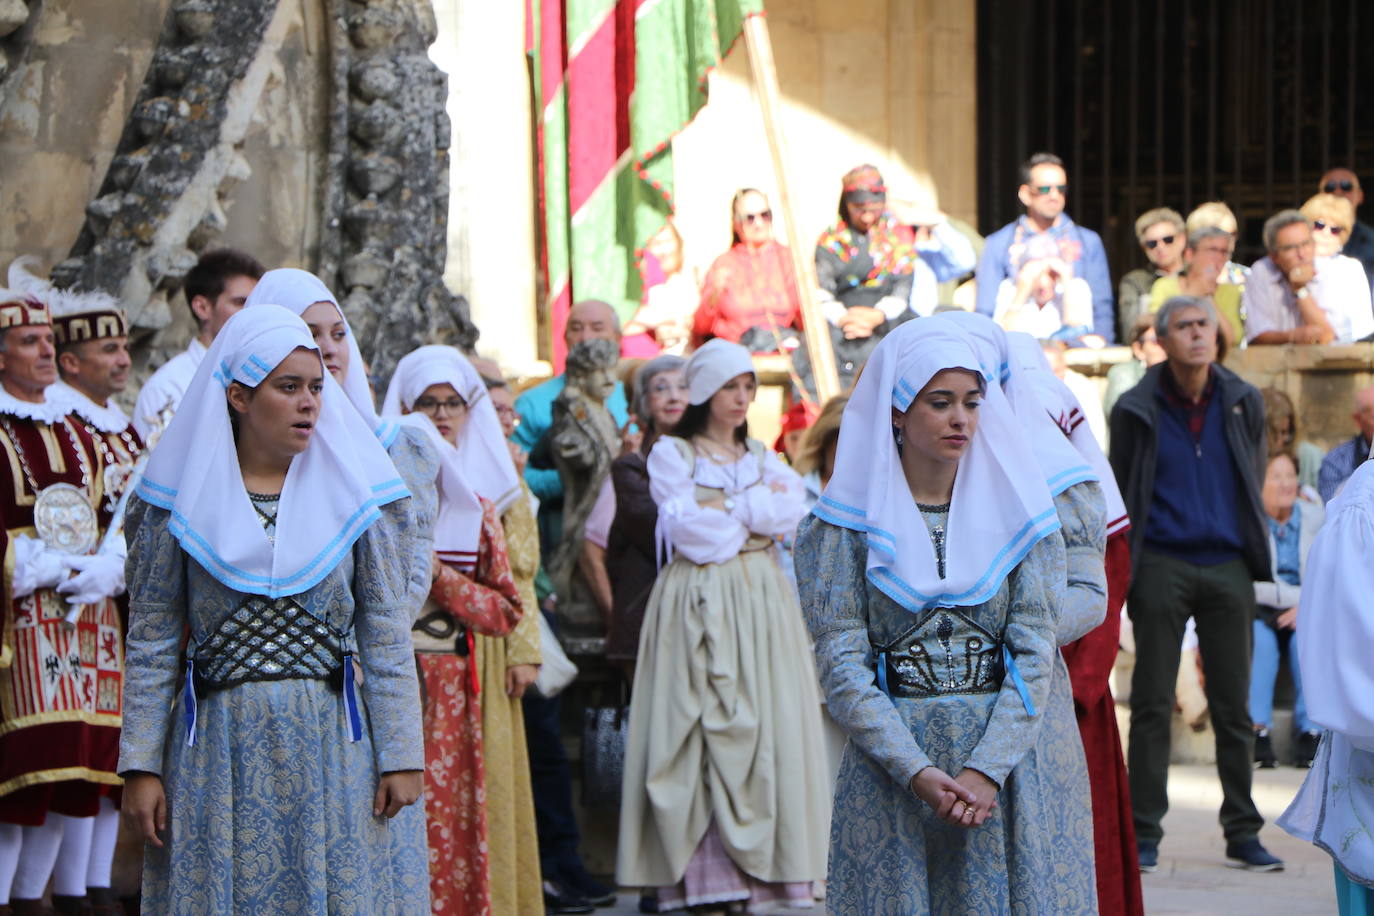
pixel 271 640
pixel 943 654
pixel 266 640
pixel 947 654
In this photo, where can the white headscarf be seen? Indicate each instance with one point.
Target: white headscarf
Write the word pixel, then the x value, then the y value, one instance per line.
pixel 1000 506
pixel 1061 463
pixel 1062 407
pixel 332 490
pixel 297 290
pixel 479 465
pixel 711 366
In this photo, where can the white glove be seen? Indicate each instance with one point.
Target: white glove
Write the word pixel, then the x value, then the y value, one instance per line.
pixel 99 576
pixel 35 566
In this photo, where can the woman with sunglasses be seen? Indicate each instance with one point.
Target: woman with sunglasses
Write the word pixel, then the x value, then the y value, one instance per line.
pixel 1341 284
pixel 863 268
pixel 751 285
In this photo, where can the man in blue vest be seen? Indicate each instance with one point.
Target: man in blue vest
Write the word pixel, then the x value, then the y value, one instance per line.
pixel 1188 451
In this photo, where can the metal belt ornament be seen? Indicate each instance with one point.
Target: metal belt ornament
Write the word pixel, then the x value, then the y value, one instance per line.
pixel 64 519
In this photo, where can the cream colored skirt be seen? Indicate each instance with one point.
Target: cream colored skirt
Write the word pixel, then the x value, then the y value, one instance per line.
pixel 725 723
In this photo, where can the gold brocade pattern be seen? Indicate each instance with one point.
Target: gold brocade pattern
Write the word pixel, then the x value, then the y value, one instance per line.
pixel 511 839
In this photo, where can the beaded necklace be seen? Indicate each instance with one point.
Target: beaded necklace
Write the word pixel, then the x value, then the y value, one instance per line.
pixel 24 461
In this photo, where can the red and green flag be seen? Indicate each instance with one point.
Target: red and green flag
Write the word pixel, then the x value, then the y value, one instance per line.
pixel 615 80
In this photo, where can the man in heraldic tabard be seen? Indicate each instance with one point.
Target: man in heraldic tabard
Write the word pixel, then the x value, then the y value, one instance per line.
pixel 61 635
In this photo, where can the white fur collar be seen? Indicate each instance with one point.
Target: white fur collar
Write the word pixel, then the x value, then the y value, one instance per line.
pixel 49 411
pixel 109 419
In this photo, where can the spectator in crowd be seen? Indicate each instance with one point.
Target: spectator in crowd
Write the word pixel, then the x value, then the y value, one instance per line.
pixel 1342 460
pixel 1146 351
pixel 664 322
pixel 945 250
pixel 1215 213
pixel 1281 435
pixel 1279 306
pixel 1044 184
pixel 660 396
pixel 795 422
pixel 1293 523
pixel 863 267
pixel 1205 256
pixel 216 288
pixel 1341 286
pixel 1162 236
pixel 1360 244
pixel 1188 450
pixel 1046 300
pixel 815 459
pixel 751 285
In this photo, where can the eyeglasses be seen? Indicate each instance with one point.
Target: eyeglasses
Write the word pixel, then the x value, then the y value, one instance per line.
pixel 763 216
pixel 505 413
pixel 1295 246
pixel 1319 225
pixel 662 388
pixel 1042 189
pixel 1344 184
pixel 433 406
pixel 1152 244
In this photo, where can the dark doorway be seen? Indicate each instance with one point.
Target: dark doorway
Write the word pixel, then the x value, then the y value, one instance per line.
pixel 1173 102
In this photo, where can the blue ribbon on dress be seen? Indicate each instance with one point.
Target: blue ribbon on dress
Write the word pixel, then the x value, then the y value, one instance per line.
pixel 189 702
pixel 350 691
pixel 1017 681
pixel 882 674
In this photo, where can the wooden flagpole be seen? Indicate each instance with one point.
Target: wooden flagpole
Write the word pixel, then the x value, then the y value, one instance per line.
pixel 803 263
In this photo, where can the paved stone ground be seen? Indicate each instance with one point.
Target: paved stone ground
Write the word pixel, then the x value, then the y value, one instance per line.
pixel 1192 877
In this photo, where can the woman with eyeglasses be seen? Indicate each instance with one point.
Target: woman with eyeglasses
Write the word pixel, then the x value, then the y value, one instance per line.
pixel 863 268
pixel 1341 285
pixel 751 285
pixel 660 398
pixel 476 648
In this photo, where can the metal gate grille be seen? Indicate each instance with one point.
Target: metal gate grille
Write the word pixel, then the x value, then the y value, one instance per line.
pixel 1172 102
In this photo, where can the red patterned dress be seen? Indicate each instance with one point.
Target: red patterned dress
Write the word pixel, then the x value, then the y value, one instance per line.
pixel 483 599
pixel 60 687
pixel 1090 661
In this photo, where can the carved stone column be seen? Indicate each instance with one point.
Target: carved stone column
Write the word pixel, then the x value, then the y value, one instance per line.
pixel 389 193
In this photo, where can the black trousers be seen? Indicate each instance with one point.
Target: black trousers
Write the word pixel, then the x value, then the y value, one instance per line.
pixel 551 779
pixel 1221 600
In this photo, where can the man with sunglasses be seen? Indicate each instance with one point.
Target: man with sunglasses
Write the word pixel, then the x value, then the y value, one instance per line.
pixel 1044 185
pixel 1161 235
pixel 1360 245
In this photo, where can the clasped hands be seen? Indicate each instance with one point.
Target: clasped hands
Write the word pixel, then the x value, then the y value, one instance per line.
pixel 963 801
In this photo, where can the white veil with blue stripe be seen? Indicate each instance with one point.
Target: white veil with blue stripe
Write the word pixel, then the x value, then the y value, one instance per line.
pixel 332 492
pixel 1000 506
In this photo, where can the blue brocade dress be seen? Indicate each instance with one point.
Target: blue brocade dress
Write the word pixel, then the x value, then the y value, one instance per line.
pixel 889 854
pixel 270 810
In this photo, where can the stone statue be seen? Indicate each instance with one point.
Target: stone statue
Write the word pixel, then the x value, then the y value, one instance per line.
pixel 584 441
